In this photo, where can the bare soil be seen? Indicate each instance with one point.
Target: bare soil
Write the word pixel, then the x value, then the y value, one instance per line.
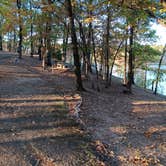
pixel 36 127
pixel 131 126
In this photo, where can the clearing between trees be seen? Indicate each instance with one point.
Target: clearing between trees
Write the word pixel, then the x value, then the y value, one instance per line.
pixel 38 127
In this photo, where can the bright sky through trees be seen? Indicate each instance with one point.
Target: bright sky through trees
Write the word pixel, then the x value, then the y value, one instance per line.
pixel 161 32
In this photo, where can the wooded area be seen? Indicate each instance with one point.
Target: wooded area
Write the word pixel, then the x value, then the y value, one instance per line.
pixel 82 82
pixel 100 32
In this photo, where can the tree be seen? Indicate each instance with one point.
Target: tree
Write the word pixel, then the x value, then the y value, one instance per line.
pixel 79 84
pixel 20 28
pixel 31 18
pixel 159 69
pixel 97 29
pixel 130 61
pixel 1 39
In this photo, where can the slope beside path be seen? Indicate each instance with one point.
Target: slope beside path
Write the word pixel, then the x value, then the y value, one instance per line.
pixel 131 126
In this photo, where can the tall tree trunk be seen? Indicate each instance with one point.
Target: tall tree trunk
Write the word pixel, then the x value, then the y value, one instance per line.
pixel 159 69
pixel 133 70
pixel 125 60
pixel 1 47
pixel 43 54
pixel 145 76
pixel 65 40
pixel 48 43
pixel 14 48
pixel 40 47
pixel 77 64
pixel 48 38
pixel 9 42
pixel 101 63
pixel 89 69
pixel 32 48
pixel 85 49
pixel 1 39
pixel 95 60
pixel 107 47
pixel 89 42
pixel 113 62
pixel 20 29
pixel 130 62
pixel 94 54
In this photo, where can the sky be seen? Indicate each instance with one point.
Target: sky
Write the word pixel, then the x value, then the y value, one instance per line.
pixel 161 32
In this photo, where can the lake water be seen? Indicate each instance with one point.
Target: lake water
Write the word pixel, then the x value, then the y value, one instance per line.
pixel 150 77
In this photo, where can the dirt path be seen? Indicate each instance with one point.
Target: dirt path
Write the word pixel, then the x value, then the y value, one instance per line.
pixel 132 127
pixel 35 128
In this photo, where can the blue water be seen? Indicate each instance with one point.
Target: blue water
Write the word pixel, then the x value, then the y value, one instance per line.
pixel 150 77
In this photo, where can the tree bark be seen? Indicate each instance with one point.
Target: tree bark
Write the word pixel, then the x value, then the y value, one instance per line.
pixel 83 45
pixel 40 46
pixel 48 37
pixel 14 48
pixel 1 47
pixel 89 69
pixel 65 40
pixel 20 29
pixel 94 54
pixel 77 64
pixel 48 42
pixel 32 48
pixel 95 60
pixel 130 62
pixel 125 60
pixel 145 76
pixel 159 69
pixel 107 48
pixel 85 49
pixel 113 62
pixel 9 44
pixel 1 39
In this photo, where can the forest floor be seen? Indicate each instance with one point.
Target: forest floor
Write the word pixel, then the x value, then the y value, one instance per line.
pixel 37 126
pixel 131 126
